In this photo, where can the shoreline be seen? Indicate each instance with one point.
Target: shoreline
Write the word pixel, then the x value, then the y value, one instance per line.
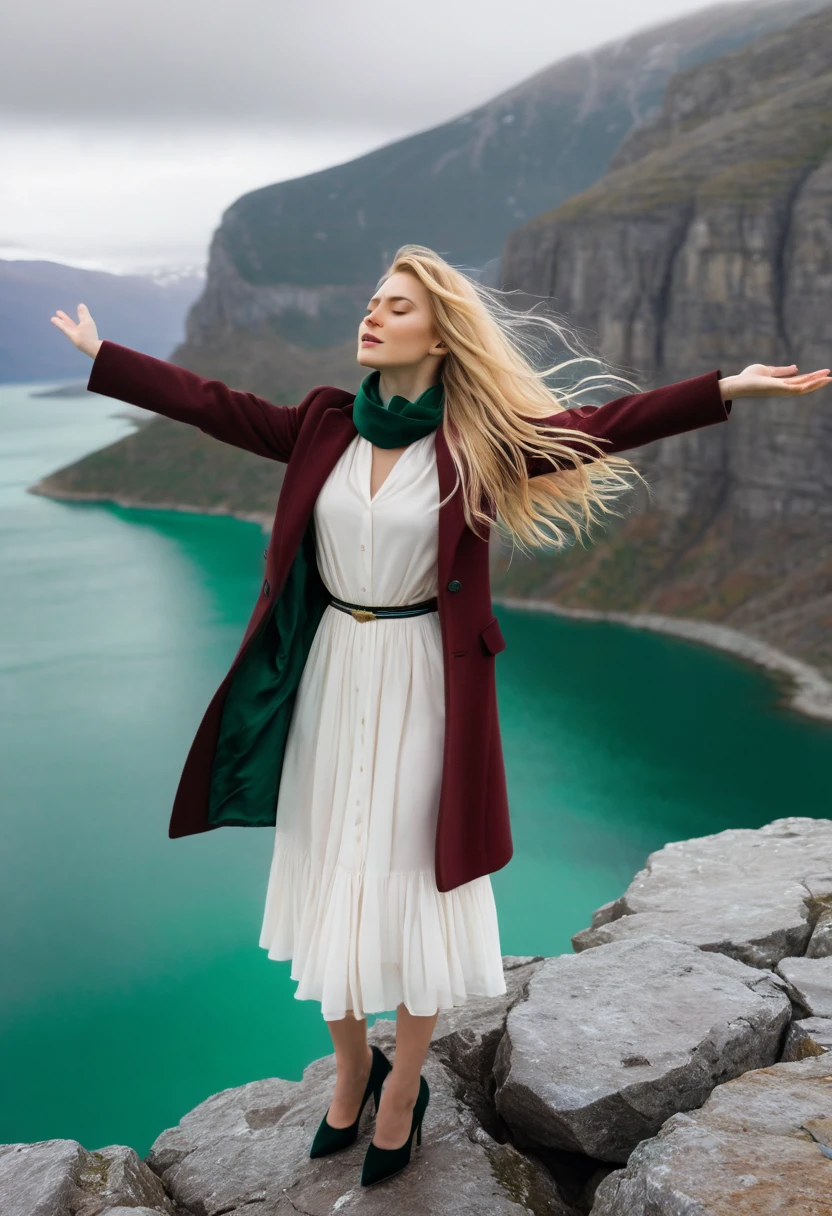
pixel 92 496
pixel 805 689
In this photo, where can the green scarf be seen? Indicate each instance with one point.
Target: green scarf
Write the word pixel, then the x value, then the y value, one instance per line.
pixel 400 422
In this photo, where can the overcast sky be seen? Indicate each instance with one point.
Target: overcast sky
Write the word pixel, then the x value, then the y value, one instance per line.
pixel 125 130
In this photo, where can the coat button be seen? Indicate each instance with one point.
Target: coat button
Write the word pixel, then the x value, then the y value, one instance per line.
pixel 454 585
pixel 266 587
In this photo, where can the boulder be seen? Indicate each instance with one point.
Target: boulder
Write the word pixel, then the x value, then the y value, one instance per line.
pixel 61 1178
pixel 247 1149
pixel 120 1211
pixel 820 943
pixel 807 1037
pixel 757 895
pixel 761 1145
pixel 809 985
pixel 610 1042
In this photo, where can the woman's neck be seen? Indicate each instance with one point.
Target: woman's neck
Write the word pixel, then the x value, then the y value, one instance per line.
pixel 409 385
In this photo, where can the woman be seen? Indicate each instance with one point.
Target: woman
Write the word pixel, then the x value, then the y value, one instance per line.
pixel 359 715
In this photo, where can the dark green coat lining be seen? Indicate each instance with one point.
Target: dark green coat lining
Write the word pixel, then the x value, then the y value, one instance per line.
pixel 248 760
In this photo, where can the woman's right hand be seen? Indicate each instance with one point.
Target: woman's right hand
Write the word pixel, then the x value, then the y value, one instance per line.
pixel 84 335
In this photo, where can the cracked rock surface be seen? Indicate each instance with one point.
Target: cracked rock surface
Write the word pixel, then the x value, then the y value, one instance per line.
pixel 248 1148
pixel 760 1146
pixel 809 984
pixel 611 1042
pixel 807 1037
pixel 644 1076
pixel 758 895
pixel 61 1178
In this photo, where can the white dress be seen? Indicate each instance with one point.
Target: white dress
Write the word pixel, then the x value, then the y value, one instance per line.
pixel 352 897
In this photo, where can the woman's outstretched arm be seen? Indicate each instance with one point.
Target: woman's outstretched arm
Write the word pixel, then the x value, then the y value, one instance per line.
pixel 237 418
pixel 640 418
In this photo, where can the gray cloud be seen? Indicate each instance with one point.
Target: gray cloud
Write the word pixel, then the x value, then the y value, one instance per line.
pixel 385 66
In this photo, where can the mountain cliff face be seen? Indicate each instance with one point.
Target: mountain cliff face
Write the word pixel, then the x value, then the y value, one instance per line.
pixel 292 265
pixel 709 244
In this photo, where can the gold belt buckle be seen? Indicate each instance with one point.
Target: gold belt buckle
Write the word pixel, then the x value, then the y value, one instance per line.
pixel 363 614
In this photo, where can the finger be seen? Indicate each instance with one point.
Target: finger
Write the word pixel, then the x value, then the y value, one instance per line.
pixel 810 377
pixel 811 385
pixel 783 371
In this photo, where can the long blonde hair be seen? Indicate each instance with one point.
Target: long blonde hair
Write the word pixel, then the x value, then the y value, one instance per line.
pixel 493 396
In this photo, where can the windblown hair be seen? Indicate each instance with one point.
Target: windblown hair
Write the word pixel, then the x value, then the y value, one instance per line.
pixel 499 409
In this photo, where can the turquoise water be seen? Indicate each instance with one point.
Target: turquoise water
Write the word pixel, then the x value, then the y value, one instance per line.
pixel 132 983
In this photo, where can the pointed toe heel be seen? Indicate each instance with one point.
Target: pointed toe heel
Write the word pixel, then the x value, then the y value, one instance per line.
pixel 332 1139
pixel 381 1163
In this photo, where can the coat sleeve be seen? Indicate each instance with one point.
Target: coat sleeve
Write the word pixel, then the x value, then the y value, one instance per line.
pixel 238 418
pixel 639 418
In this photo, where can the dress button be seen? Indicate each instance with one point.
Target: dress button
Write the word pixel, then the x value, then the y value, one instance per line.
pixel 454 585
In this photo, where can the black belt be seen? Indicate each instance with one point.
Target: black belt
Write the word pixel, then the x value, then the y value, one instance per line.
pixel 362 613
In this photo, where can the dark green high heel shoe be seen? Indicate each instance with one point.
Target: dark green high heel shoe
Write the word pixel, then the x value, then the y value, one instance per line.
pixel 381 1163
pixel 331 1139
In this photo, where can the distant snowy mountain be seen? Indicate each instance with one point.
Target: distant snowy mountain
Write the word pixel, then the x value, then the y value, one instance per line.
pixel 147 311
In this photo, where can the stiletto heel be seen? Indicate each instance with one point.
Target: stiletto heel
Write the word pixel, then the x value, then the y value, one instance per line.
pixel 381 1163
pixel 330 1139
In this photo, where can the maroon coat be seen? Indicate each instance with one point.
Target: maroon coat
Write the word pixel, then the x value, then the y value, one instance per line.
pixel 473 835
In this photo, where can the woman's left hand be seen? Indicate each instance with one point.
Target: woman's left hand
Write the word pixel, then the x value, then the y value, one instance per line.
pixel 759 380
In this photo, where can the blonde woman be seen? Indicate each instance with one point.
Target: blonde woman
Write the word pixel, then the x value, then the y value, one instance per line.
pixel 359 716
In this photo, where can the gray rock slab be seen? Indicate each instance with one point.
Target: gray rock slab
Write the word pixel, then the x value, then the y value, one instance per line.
pixel 820 943
pixel 61 1178
pixel 809 985
pixel 247 1149
pixel 132 1212
pixel 753 894
pixel 757 1147
pixel 610 1042
pixel 807 1037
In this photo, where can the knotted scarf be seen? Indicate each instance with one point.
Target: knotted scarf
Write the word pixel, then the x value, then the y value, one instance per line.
pixel 399 422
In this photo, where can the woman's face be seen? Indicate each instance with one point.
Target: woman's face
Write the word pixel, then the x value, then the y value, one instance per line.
pixel 400 320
